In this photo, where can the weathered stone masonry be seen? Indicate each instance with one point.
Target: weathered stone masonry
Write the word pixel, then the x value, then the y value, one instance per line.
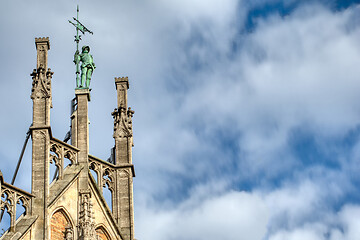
pixel 73 206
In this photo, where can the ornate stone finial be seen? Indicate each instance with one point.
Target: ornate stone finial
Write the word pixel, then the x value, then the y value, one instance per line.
pixel 41 86
pixel 122 122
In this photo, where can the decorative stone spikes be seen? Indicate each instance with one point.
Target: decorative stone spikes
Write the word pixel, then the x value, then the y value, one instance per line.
pixel 122 122
pixel 41 85
pixel 86 219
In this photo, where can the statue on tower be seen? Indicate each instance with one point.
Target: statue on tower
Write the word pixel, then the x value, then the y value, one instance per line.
pixel 87 66
pixel 87 62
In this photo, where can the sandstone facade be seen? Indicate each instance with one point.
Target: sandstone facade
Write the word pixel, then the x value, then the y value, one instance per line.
pixel 73 206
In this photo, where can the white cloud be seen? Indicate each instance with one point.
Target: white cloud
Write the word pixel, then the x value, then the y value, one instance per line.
pixel 343 225
pixel 293 72
pixel 349 218
pixel 292 205
pixel 313 232
pixel 189 85
pixel 233 215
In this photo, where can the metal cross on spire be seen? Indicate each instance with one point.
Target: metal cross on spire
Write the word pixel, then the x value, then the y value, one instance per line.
pixel 88 65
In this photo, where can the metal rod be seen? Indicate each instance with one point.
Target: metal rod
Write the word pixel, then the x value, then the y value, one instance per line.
pixel 77 40
pixel 77 27
pixel 20 158
pixel 17 166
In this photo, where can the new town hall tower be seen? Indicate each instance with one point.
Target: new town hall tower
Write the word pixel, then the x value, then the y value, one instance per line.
pixel 72 206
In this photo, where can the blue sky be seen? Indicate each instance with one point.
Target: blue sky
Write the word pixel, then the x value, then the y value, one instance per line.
pixel 247 114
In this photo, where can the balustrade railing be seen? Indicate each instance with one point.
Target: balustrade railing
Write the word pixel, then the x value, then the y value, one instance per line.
pixel 105 172
pixel 12 196
pixel 59 151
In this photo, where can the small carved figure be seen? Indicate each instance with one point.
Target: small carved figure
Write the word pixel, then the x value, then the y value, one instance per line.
pixel 68 233
pixel 87 66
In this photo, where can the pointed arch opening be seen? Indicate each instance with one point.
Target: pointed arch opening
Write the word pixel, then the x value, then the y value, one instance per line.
pixel 55 156
pixel 102 233
pixel 60 226
pixel 20 208
pixel 108 187
pixel 94 172
pixel 5 222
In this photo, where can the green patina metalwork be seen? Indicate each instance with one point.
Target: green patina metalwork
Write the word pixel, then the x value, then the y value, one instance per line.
pixel 87 62
pixel 87 66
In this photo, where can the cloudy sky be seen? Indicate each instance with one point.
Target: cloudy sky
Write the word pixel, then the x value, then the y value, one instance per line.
pixel 247 113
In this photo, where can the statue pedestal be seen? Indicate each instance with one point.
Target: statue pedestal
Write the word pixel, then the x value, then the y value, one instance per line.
pixel 83 91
